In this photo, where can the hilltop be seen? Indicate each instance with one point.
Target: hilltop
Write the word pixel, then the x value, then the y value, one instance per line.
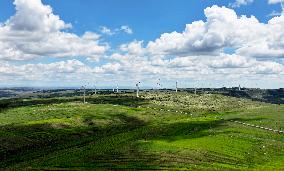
pixel 176 131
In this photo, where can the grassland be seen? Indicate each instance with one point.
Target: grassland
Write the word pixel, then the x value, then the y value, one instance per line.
pixel 121 132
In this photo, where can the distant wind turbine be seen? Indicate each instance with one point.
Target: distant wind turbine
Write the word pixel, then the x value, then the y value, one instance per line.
pixel 159 85
pixel 95 89
pixel 137 89
pixel 176 86
pixel 84 88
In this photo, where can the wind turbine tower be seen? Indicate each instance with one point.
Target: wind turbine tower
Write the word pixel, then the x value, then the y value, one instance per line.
pixel 137 89
pixel 84 88
pixel 159 85
pixel 95 89
pixel 176 86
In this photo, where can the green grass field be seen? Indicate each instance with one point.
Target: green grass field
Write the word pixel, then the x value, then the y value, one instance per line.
pixel 121 132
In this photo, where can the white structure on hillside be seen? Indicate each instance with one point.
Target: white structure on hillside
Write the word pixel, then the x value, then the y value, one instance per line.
pixel 95 89
pixel 137 89
pixel 176 86
pixel 84 89
pixel 159 85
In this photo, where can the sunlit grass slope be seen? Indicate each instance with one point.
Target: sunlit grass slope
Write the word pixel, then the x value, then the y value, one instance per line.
pixel 121 132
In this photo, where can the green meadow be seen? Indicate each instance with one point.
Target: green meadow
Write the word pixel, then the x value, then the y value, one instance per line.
pixel 158 131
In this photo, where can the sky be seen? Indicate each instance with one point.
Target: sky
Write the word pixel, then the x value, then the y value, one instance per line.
pixel 105 43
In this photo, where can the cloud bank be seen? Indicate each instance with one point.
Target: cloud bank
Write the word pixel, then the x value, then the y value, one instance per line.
pixel 196 54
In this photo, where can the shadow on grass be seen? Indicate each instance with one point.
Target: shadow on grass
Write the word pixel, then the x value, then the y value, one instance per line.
pixel 125 100
pixel 116 99
pixel 23 142
pixel 12 103
pixel 247 119
pixel 114 147
pixel 275 96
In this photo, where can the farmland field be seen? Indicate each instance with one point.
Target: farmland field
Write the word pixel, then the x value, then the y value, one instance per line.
pixel 158 131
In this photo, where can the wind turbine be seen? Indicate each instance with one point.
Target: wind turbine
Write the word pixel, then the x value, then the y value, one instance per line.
pixel 159 85
pixel 84 88
pixel 116 88
pixel 176 86
pixel 95 89
pixel 137 89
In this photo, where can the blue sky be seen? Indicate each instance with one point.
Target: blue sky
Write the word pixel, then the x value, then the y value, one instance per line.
pixel 148 18
pixel 147 21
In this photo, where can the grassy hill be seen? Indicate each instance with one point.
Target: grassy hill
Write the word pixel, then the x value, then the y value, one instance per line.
pixel 159 131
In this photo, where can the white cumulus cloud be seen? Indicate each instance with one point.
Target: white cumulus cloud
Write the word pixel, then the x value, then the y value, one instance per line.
pixel 224 28
pixel 34 31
